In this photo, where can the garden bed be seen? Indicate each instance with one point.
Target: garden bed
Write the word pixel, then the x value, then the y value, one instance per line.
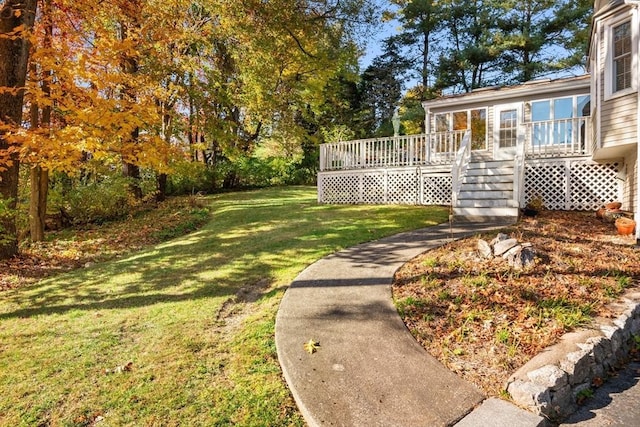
pixel 484 319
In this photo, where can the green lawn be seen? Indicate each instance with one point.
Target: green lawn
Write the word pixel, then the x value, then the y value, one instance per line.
pixel 181 333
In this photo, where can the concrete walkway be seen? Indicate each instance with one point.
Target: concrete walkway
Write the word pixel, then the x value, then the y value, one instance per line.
pixel 369 370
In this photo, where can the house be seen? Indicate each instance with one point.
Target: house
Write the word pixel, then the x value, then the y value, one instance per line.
pixel 572 142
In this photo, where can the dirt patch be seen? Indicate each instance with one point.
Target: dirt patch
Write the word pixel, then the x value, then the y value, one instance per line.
pixel 483 319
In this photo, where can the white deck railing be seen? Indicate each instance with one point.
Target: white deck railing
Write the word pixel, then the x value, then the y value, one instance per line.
pixel 552 138
pixel 460 166
pixel 405 150
pixel 565 137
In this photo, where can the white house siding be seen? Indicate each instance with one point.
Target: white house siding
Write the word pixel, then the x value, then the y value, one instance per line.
pixel 629 200
pixel 618 121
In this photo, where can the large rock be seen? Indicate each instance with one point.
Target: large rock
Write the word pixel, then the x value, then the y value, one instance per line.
pixel 484 249
pixel 503 246
pixel 499 238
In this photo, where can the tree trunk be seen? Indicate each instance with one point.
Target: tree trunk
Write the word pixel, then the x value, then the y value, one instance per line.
pixel 162 187
pixel 39 175
pixel 129 65
pixel 14 57
pixel 38 202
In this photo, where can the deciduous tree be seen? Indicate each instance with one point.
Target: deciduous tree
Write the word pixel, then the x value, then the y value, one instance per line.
pixel 16 21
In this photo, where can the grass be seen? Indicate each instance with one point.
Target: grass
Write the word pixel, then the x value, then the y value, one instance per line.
pixel 180 333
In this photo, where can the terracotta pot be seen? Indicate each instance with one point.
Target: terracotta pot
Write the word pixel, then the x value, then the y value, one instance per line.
pixel 613 205
pixel 625 226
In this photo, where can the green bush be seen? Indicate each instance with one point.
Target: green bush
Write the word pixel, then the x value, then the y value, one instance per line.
pixel 189 177
pixel 97 199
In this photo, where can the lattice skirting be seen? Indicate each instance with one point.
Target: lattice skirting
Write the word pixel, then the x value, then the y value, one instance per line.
pixel 408 186
pixel 563 184
pixel 570 184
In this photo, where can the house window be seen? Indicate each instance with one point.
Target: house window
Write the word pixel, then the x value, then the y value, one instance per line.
pixel 442 122
pixel 478 126
pixel 555 121
pixel 475 120
pixel 621 57
pixel 508 128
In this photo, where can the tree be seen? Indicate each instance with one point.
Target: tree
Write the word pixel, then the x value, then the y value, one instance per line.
pixel 381 88
pixel 421 24
pixel 469 56
pixel 40 121
pixel 143 82
pixel 17 18
pixel 534 32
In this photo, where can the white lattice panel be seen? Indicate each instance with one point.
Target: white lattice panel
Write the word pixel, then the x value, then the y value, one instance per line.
pixel 373 188
pixel 402 188
pixel 436 189
pixel 593 185
pixel 572 184
pixel 546 180
pixel 343 188
pixel 566 184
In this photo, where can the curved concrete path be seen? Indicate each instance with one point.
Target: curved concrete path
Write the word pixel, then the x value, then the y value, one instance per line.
pixel 369 370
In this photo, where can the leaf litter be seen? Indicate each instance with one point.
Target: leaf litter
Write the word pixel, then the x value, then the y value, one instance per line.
pixel 483 319
pixel 82 246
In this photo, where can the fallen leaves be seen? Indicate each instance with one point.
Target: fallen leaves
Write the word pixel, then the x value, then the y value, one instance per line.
pixel 311 346
pixel 120 369
pixel 83 246
pixel 484 320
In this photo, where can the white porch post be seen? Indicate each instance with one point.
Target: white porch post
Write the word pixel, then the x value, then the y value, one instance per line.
pixel 427 131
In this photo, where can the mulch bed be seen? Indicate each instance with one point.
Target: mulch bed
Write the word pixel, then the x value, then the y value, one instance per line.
pixel 484 319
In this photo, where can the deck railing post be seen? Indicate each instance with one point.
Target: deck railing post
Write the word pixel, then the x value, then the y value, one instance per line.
pixel 412 154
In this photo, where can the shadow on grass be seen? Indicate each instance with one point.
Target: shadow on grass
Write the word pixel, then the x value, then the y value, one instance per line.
pixel 254 236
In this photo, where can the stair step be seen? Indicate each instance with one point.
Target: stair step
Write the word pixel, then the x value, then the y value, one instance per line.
pixel 474 194
pixel 489 185
pixel 487 203
pixel 495 164
pixel 486 212
pixel 490 172
pixel 492 179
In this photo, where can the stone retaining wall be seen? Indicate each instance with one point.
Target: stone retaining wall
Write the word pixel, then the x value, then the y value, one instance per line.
pixel 553 382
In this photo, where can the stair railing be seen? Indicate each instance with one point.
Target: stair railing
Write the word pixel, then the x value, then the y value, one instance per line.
pixel 463 155
pixel 518 174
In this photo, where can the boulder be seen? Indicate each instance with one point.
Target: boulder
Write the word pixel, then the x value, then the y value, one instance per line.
pixel 484 249
pixel 503 246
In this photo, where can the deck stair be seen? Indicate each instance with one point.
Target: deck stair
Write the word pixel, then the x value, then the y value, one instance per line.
pixel 487 190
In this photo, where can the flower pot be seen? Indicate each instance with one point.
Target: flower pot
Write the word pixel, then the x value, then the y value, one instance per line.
pixel 625 226
pixel 611 216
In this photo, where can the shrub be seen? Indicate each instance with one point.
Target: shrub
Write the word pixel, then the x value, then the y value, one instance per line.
pixel 189 177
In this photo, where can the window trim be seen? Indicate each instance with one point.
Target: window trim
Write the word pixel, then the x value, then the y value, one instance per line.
pixel 609 58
